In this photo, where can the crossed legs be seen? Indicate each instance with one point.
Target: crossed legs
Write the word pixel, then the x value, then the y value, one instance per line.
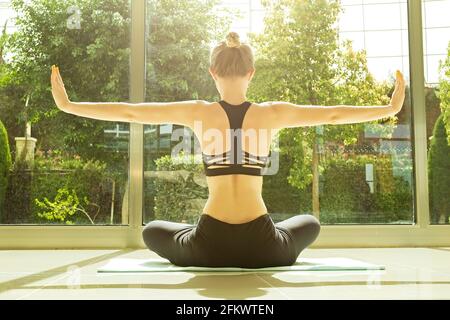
pixel 304 230
pixel 170 240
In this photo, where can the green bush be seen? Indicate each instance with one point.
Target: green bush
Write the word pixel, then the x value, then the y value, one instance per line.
pixel 443 92
pixel 346 196
pixel 5 165
pixel 17 204
pixel 179 198
pixel 88 179
pixel 48 193
pixel 439 173
pixel 65 206
pixel 282 199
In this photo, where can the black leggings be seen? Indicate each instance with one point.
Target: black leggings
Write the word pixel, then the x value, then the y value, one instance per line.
pixel 213 243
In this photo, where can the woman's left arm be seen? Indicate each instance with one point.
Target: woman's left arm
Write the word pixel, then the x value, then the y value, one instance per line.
pixel 182 112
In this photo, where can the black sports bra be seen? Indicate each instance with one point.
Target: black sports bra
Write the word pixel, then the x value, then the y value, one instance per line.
pixel 215 164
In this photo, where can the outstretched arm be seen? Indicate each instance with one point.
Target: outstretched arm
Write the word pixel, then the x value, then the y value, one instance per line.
pixel 286 115
pixel 182 112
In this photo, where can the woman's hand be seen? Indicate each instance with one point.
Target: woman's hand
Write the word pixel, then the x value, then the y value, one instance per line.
pixel 58 90
pixel 398 96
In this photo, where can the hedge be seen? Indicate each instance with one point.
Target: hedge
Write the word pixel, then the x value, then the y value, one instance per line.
pixel 346 196
pixel 439 173
pixel 179 198
pixel 5 165
pixel 180 191
pixel 62 184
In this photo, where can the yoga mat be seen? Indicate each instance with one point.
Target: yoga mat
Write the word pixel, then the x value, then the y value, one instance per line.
pixel 303 264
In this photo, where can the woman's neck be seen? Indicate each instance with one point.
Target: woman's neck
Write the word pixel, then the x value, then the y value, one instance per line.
pixel 233 90
pixel 234 99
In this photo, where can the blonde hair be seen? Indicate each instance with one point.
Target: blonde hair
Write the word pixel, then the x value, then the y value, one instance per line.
pixel 231 58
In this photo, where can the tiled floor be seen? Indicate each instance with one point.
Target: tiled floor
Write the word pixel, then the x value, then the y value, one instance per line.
pixel 411 273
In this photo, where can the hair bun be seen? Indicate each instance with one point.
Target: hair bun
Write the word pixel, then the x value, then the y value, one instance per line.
pixel 232 40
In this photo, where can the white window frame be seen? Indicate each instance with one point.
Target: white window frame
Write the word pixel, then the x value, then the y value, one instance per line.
pixel 129 236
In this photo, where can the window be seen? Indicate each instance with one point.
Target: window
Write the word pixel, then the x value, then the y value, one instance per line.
pixel 368 178
pixel 365 182
pixel 436 35
pixel 65 169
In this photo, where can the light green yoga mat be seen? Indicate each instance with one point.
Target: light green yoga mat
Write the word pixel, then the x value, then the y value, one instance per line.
pixel 303 264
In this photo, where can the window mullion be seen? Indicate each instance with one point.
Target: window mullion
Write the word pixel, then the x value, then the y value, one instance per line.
pixel 416 66
pixel 137 95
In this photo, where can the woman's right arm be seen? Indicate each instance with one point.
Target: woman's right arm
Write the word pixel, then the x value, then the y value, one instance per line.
pixel 180 112
pixel 288 115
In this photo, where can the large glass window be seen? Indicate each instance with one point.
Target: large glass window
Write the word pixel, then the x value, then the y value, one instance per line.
pixel 355 173
pixel 64 169
pixel 436 45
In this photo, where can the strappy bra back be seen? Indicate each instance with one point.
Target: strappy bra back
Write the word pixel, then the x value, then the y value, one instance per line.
pixel 236 160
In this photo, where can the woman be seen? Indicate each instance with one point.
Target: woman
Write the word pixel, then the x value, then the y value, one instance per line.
pixel 235 228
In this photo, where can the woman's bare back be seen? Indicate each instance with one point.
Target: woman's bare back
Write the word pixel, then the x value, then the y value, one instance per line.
pixel 234 198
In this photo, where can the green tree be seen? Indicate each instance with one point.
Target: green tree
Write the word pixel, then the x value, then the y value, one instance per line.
pixel 5 165
pixel 66 205
pixel 439 173
pixel 299 60
pixel 95 68
pixel 444 91
pixel 5 154
pixel 10 93
pixel 178 50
